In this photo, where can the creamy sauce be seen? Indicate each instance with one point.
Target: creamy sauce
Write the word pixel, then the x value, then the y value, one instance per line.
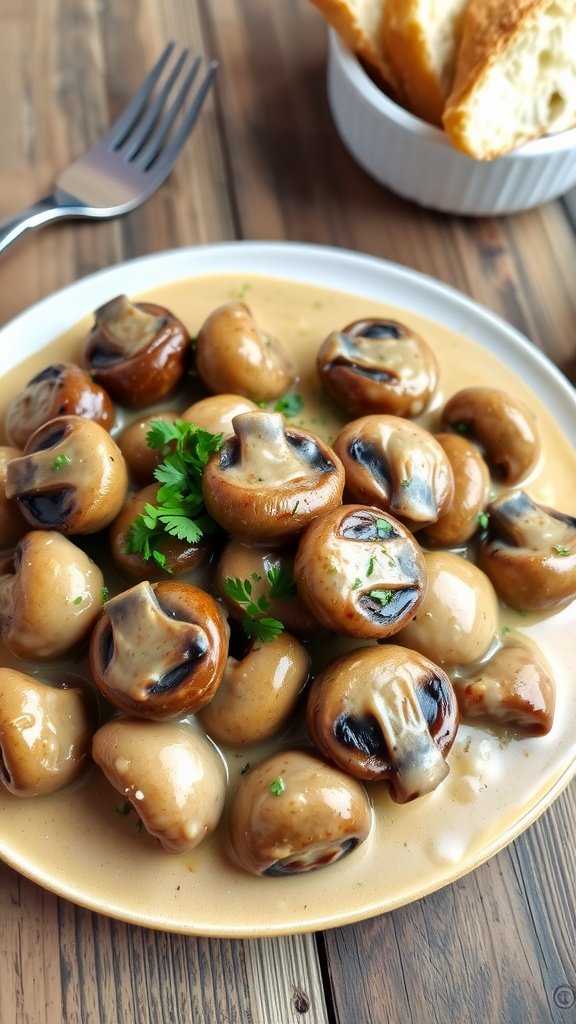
pixel 76 842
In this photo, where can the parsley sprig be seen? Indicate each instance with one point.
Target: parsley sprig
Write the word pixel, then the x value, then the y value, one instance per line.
pixel 180 510
pixel 256 623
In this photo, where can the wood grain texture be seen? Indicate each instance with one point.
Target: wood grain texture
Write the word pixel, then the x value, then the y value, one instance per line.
pixel 265 162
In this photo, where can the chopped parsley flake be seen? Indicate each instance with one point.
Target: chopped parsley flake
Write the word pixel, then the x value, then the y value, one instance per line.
pixel 104 594
pixel 78 600
pixel 383 597
pixel 60 461
pixel 559 549
pixel 383 528
pixel 289 405
pixel 277 786
pixel 405 482
pixel 371 565
pixel 357 583
pixel 483 520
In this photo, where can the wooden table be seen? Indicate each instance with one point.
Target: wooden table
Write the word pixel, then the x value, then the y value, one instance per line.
pixel 265 163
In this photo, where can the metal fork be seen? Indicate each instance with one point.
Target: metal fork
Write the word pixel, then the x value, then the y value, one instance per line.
pixel 132 159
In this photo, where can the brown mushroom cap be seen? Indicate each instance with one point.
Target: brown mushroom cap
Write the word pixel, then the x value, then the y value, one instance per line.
pixel 515 687
pixel 45 734
pixel 378 366
pixel 138 351
pixel 234 355
pixel 51 600
pixel 268 481
pixel 159 651
pixel 458 618
pixel 261 566
pixel 61 389
pixel 529 553
pixel 459 523
pixel 258 692
pixel 71 477
pixel 294 813
pixel 398 466
pixel 181 556
pixel 172 775
pixel 387 714
pixel 360 571
pixel 140 459
pixel 12 522
pixel 217 412
pixel 502 426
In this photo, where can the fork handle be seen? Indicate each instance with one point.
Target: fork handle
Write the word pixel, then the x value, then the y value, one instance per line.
pixel 34 216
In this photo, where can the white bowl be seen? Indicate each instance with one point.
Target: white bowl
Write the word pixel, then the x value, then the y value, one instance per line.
pixel 417 161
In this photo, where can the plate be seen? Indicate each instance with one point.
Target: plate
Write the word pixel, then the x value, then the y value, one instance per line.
pixel 77 845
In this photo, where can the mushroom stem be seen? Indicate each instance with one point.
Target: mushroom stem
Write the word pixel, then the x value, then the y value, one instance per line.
pixel 130 326
pixel 266 456
pixel 523 523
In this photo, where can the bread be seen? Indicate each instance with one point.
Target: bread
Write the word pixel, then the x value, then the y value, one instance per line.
pixel 360 23
pixel 515 75
pixel 422 37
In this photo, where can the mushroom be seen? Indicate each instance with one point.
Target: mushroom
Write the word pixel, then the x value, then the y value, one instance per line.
pixel 159 650
pixel 12 522
pixel 397 465
pixel 217 412
pixel 45 733
pixel 385 714
pixel 501 424
pixel 180 555
pixel 269 481
pixel 138 351
pixel 234 355
pixel 172 775
pixel 50 601
pixel 458 618
pixel 471 490
pixel 294 813
pixel 141 460
pixel 378 366
pixel 71 477
pixel 61 389
pixel 258 693
pixel 360 572
pixel 529 553
pixel 515 687
pixel 271 575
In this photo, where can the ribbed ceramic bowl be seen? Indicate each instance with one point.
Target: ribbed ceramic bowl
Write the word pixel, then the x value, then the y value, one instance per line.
pixel 416 160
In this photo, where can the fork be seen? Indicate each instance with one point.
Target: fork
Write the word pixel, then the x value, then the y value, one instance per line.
pixel 132 159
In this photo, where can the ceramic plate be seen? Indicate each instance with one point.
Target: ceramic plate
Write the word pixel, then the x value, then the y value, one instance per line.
pixel 77 845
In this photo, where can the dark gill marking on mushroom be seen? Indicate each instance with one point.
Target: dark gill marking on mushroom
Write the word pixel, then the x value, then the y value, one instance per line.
pixel 308 451
pixel 106 647
pixel 289 866
pixel 367 455
pixel 393 607
pixel 4 773
pixel 229 455
pixel 51 509
pixel 432 700
pixel 53 372
pixel 50 439
pixel 360 732
pixel 171 680
pixel 364 526
pixel 380 376
pixel 380 329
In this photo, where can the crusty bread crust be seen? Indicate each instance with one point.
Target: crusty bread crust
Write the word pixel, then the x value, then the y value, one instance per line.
pixel 360 24
pixel 422 38
pixel 496 35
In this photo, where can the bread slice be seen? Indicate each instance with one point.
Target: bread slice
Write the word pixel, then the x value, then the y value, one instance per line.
pixel 515 75
pixel 360 23
pixel 422 38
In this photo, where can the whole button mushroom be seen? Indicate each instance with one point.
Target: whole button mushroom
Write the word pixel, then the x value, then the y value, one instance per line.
pixel 397 465
pixel 234 355
pixel 458 619
pixel 271 575
pixel 159 651
pixel 217 412
pixel 378 366
pixel 514 688
pixel 385 714
pixel 471 491
pixel 138 351
pixel 61 389
pixel 360 571
pixel 45 734
pixel 180 555
pixel 12 522
pixel 294 813
pixel 140 459
pixel 258 693
pixel 51 599
pixel 501 424
pixel 529 553
pixel 71 477
pixel 172 775
pixel 269 480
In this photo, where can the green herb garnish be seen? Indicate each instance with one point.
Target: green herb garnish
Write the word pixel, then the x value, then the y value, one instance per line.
pixel 277 786
pixel 78 600
pixel 256 623
pixel 383 597
pixel 60 461
pixel 383 528
pixel 180 510
pixel 461 428
pixel 371 564
pixel 282 583
pixel 483 520
pixel 104 594
pixel 289 405
pixel 559 549
pixel 406 482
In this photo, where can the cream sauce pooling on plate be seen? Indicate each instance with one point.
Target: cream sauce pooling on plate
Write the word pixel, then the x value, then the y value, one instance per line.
pixel 496 783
